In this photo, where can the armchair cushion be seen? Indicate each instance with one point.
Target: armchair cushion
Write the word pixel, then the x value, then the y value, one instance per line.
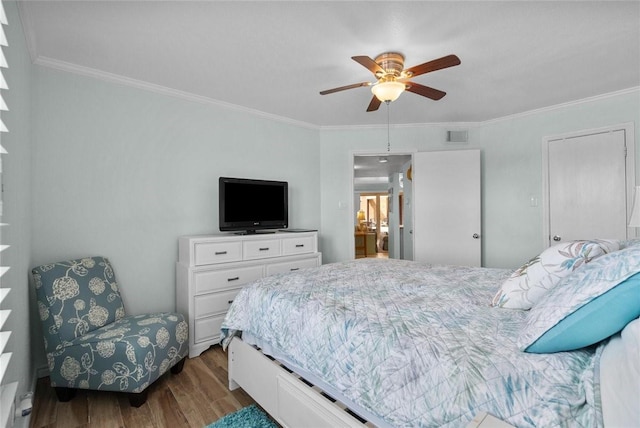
pixel 127 355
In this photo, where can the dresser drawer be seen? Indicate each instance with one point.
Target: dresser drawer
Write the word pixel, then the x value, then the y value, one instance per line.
pixel 300 245
pixel 213 303
pixel 261 249
pixel 291 266
pixel 207 328
pixel 207 253
pixel 206 281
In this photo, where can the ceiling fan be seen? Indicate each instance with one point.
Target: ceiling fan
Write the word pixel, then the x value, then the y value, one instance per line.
pixel 393 78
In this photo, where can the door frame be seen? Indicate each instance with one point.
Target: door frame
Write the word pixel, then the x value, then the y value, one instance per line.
pixel 352 155
pixel 630 167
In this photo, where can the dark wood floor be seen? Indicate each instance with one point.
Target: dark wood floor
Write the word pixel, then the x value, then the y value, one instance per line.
pixel 194 398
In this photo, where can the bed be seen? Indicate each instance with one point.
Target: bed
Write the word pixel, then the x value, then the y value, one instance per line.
pixel 392 343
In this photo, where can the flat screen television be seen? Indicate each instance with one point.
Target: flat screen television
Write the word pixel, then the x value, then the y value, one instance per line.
pixel 248 205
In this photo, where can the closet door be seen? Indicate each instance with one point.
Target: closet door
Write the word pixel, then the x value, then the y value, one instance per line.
pixel 446 200
pixel 587 190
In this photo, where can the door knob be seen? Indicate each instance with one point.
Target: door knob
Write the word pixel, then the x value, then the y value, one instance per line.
pixel 557 238
pixel 476 236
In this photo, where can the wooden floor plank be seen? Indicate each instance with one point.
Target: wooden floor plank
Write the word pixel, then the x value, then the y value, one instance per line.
pixel 193 403
pixel 217 363
pixel 194 398
pixel 204 380
pixel 104 409
pixel 44 412
pixel 135 417
pixel 225 405
pixel 243 398
pixel 165 409
pixel 73 413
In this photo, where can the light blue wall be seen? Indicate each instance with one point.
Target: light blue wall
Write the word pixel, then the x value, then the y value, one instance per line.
pixel 16 179
pixel 124 172
pixel 511 171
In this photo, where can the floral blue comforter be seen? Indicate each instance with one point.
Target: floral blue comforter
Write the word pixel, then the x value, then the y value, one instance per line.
pixel 417 345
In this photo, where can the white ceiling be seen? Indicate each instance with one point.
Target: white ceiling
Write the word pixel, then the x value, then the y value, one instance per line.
pixel 274 57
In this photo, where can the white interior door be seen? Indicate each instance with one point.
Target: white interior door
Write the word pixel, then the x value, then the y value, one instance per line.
pixel 446 200
pixel 587 187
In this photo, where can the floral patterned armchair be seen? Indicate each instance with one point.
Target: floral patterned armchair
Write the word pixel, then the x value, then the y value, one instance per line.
pixel 91 344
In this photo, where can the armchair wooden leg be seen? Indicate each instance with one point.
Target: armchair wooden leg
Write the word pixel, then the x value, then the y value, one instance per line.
pixel 65 394
pixel 138 399
pixel 177 368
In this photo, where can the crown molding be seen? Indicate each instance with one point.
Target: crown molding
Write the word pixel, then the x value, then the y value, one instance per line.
pixel 159 89
pixel 448 125
pixel 563 105
pixel 139 84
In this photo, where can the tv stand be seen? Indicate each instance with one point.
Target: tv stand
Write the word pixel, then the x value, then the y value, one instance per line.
pixel 212 269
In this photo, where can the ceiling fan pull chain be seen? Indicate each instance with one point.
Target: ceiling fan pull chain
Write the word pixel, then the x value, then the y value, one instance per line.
pixel 388 132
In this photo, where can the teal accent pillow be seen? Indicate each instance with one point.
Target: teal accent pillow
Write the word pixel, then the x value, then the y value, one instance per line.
pixel 600 318
pixel 587 306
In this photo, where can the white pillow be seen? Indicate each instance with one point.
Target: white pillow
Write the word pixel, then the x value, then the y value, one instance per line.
pixel 620 378
pixel 533 279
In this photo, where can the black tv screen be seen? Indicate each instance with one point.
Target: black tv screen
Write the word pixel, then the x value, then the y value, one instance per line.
pixel 248 205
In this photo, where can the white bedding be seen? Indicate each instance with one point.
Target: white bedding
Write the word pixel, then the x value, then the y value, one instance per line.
pixel 417 345
pixel 620 378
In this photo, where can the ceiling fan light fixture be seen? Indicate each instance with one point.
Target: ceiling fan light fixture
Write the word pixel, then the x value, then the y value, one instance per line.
pixel 388 91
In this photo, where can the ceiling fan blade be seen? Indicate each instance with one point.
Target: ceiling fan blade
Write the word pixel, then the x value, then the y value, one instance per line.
pixel 436 64
pixel 344 88
pixel 425 91
pixel 374 104
pixel 368 63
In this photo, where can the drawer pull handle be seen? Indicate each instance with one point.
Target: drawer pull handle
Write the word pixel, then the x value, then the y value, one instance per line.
pixel 220 253
pixel 299 245
pixel 292 269
pixel 230 301
pixel 235 278
pixel 264 249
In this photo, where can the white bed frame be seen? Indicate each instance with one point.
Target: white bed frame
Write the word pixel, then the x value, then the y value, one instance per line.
pixel 283 394
pixel 292 401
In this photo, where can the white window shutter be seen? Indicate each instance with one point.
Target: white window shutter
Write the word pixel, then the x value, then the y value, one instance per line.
pixel 7 391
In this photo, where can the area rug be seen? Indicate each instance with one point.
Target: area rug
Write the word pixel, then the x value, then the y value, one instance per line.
pixel 247 417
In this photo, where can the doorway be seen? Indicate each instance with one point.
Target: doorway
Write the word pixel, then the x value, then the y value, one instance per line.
pixel 372 232
pixel 378 216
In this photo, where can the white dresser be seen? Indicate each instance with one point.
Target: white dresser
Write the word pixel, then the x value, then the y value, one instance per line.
pixel 211 269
